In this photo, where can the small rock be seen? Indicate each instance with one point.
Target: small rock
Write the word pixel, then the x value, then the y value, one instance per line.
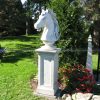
pixel 68 97
pixel 59 98
pixel 64 96
pixel 78 96
pixel 88 96
pixel 96 97
pixel 82 96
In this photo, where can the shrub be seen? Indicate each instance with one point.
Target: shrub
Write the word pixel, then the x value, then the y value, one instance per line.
pixel 73 31
pixel 12 18
pixel 75 79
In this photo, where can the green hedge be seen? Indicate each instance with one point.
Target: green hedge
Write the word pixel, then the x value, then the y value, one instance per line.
pixel 73 30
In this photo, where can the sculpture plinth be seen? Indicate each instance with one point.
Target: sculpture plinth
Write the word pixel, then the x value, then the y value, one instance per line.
pixel 47 71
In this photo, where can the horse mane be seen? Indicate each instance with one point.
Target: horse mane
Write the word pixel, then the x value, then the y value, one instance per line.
pixel 56 26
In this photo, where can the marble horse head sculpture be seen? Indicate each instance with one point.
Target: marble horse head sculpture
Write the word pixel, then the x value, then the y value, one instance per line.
pixel 47 20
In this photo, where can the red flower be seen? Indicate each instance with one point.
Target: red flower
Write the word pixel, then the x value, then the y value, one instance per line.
pixel 87 70
pixel 85 77
pixel 89 89
pixel 78 89
pixel 82 86
pixel 76 78
pixel 80 79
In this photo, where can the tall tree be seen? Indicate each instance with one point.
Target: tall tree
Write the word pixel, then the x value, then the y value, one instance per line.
pixel 92 14
pixel 92 9
pixel 12 18
pixel 73 29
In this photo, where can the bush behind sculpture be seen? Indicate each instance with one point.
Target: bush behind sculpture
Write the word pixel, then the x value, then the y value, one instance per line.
pixel 73 31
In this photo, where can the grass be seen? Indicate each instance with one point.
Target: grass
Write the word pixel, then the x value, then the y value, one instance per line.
pixel 18 67
pixel 95 61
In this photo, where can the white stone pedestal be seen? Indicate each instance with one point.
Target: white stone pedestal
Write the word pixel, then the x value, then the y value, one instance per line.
pixel 89 55
pixel 47 71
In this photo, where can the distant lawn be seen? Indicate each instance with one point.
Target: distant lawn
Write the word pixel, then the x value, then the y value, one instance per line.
pixel 18 67
pixel 95 61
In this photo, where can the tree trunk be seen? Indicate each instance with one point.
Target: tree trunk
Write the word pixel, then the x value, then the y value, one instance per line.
pixel 26 28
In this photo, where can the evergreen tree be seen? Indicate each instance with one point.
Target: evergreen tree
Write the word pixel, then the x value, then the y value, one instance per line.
pixel 73 29
pixel 92 14
pixel 12 18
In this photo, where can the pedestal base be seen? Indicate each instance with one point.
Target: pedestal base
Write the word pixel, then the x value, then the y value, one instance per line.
pixel 46 96
pixel 48 48
pixel 47 72
pixel 46 91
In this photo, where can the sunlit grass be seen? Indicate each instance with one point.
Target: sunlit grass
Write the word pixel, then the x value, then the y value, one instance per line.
pixel 95 61
pixel 18 67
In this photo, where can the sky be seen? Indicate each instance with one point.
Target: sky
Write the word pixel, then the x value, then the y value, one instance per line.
pixel 23 1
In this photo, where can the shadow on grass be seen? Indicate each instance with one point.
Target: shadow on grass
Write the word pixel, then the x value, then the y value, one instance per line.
pixel 23 52
pixel 26 47
pixel 21 38
pixel 15 56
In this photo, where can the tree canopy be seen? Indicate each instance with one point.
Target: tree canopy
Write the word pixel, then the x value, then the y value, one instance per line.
pixel 92 14
pixel 12 18
pixel 73 29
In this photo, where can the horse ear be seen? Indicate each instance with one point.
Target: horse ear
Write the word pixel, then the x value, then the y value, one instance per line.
pixel 47 10
pixel 43 10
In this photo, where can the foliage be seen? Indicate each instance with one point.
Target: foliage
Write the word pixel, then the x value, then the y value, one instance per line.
pixel 12 18
pixel 75 79
pixel 28 7
pixel 96 89
pixel 92 10
pixel 73 29
pixel 37 7
pixel 40 1
pixel 92 14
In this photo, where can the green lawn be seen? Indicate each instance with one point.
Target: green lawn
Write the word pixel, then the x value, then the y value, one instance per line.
pixel 95 61
pixel 18 67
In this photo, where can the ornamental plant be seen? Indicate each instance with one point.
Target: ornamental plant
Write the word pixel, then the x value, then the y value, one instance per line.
pixel 75 78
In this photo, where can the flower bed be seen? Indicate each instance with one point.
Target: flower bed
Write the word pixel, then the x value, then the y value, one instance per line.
pixel 75 78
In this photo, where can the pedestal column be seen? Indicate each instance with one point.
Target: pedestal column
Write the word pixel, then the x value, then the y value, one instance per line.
pixel 89 55
pixel 47 71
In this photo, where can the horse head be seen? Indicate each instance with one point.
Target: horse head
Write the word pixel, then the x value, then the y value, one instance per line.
pixel 41 21
pixel 47 20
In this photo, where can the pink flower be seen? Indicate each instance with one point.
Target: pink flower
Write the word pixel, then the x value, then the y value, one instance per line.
pixel 76 78
pixel 87 70
pixel 85 77
pixel 80 79
pixel 89 89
